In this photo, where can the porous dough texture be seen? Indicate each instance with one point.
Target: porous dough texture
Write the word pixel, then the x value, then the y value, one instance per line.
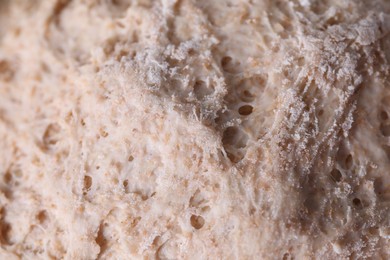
pixel 183 129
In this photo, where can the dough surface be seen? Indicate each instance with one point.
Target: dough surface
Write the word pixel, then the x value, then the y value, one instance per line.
pixel 194 129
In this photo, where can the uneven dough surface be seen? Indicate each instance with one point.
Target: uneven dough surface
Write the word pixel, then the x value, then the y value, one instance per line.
pixel 194 129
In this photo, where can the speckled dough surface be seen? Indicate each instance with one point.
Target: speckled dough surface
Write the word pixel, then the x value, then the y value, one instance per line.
pixel 194 129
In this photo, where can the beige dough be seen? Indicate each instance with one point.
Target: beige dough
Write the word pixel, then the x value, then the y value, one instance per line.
pixel 194 129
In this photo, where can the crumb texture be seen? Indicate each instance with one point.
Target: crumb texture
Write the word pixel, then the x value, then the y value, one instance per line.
pixel 183 129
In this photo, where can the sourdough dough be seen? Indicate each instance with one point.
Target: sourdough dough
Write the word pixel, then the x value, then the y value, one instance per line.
pixel 194 129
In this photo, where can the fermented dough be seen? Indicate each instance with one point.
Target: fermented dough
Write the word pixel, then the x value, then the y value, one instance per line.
pixel 194 129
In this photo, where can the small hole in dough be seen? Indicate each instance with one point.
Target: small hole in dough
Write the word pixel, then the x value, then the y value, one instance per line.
pixel 101 240
pixel 385 129
pixel 87 182
pixel 379 187
pixel 230 136
pixel 225 62
pixel 245 110
pixel 234 158
pixel 103 133
pixel 383 115
pixel 7 177
pixel 287 256
pixel 42 216
pixel 201 90
pixel 5 229
pixel 229 65
pixel 348 162
pixel 235 137
pixel 336 175
pixel 51 135
pixel 357 202
pixel 125 183
pixel 247 96
pixel 197 221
